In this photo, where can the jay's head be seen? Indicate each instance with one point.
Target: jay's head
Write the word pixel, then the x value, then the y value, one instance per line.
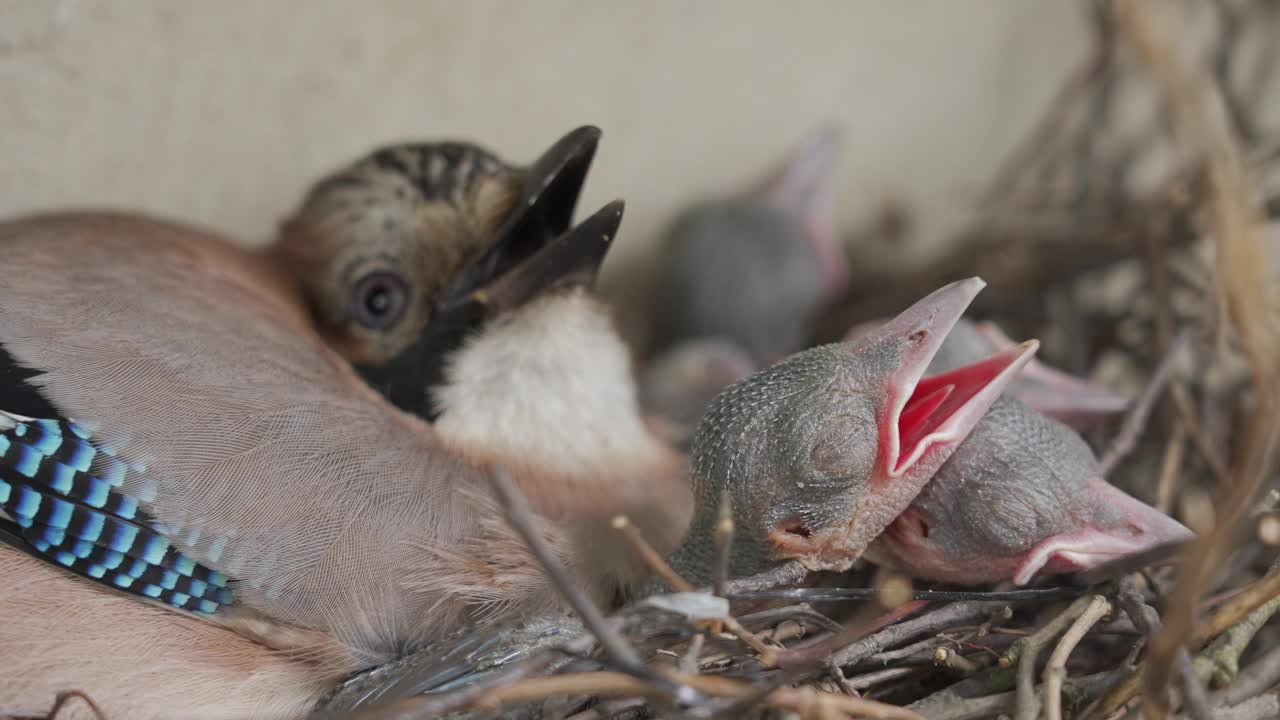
pixel 818 453
pixel 392 250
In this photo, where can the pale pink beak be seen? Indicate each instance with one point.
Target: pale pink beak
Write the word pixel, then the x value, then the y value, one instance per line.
pixel 1144 527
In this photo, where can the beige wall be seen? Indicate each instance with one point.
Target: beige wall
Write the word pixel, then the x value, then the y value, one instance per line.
pixel 220 112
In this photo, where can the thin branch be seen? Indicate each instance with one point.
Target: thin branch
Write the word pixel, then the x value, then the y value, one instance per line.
pixel 866 681
pixel 614 645
pixel 64 698
pixel 835 594
pixel 1261 707
pixel 1194 698
pixel 651 556
pixel 1027 651
pixel 689 661
pixel 1234 214
pixel 952 660
pixel 1222 619
pixel 1220 661
pixel 1199 438
pixel 948 705
pixel 1056 671
pixel 1170 466
pixel 1240 606
pixel 940 619
pixel 1136 419
pixel 1261 676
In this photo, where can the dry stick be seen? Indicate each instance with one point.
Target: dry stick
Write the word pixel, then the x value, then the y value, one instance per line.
pixel 614 645
pixel 1001 703
pixel 1136 419
pixel 689 661
pixel 1227 615
pixel 63 698
pixel 1234 214
pixel 1230 23
pixel 651 556
pixel 1028 651
pixel 1262 707
pixel 1194 697
pixel 803 664
pixel 866 681
pixel 940 619
pixel 952 660
pixel 1170 466
pixel 1239 606
pixel 1056 671
pixel 768 656
pixel 806 662
pixel 1261 676
pixel 929 645
pixel 821 594
pixel 1220 662
pixel 801 699
pixel 1147 620
pixel 1195 430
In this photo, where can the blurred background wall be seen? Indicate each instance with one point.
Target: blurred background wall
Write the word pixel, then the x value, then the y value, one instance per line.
pixel 221 113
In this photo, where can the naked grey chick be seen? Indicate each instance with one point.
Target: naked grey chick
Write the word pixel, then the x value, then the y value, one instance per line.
pixel 820 452
pixel 1022 495
pixel 755 268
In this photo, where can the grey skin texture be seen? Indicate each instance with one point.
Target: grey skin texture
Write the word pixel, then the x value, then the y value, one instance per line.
pixel 817 454
pixel 756 266
pixel 1022 495
pixel 742 270
pixel 827 456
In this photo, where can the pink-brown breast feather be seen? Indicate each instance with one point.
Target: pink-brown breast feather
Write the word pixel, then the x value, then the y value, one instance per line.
pixel 134 659
pixel 265 453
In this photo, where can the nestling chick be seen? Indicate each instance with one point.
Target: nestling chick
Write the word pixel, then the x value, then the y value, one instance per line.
pixel 1023 494
pixel 820 452
pixel 755 268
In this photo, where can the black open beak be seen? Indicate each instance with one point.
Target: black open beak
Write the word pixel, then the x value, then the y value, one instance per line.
pixel 532 251
pixel 571 260
pixel 544 211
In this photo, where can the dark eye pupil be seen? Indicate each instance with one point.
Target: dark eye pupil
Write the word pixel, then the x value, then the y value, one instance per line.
pixel 378 301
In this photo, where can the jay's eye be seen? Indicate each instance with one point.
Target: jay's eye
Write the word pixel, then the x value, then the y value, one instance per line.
pixel 379 300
